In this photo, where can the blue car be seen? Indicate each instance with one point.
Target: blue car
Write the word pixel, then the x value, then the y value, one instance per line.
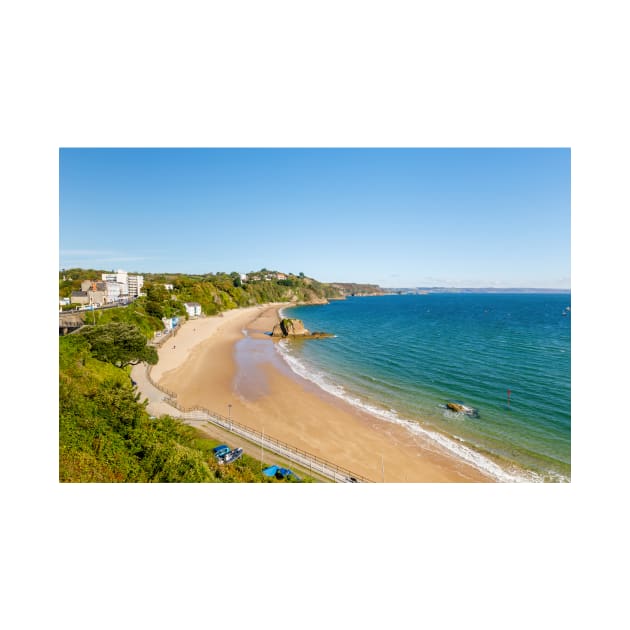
pixel 221 451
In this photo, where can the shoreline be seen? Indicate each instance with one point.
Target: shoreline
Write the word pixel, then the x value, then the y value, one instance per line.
pixel 213 364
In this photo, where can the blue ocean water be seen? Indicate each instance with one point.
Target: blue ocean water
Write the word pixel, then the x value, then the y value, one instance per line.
pixel 402 357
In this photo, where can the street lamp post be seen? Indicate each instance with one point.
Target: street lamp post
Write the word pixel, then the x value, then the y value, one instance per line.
pixel 262 439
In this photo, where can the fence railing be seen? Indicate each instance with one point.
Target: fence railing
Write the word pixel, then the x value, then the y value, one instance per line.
pixel 168 392
pixel 297 455
pixel 307 460
pixel 165 336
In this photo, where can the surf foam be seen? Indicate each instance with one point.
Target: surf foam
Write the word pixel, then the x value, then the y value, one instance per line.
pixel 477 460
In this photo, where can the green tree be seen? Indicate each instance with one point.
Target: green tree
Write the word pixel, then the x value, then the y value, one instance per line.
pixel 158 293
pixel 236 279
pixel 155 309
pixel 119 344
pixel 158 298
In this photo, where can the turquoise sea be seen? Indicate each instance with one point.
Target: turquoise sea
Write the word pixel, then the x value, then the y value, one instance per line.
pixel 402 357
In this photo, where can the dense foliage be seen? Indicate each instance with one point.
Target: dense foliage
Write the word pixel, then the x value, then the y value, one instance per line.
pixel 214 292
pixel 106 435
pixel 135 314
pixel 119 344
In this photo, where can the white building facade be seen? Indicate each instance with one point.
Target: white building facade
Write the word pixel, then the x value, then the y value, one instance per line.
pixel 193 309
pixel 130 285
pixel 135 285
pixel 119 276
pixel 114 290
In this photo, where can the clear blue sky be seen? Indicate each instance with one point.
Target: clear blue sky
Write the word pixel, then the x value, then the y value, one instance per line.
pixel 395 217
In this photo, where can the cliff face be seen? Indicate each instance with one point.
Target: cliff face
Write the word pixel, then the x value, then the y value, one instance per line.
pixel 353 288
pixel 307 296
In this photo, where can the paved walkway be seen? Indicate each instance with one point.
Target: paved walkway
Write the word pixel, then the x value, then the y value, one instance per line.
pixel 158 406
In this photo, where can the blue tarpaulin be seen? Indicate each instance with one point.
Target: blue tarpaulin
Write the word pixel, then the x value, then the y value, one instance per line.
pixel 279 473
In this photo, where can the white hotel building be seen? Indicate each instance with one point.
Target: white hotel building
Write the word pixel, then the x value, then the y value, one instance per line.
pixel 130 285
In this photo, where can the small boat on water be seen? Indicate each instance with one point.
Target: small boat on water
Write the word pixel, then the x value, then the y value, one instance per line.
pixel 459 407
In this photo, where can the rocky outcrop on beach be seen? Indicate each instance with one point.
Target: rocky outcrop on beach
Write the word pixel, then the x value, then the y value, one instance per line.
pixel 295 328
pixel 288 327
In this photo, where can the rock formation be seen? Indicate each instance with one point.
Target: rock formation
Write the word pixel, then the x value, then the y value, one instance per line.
pixel 295 328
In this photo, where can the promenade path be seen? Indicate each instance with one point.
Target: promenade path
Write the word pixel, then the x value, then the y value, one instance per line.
pixel 160 404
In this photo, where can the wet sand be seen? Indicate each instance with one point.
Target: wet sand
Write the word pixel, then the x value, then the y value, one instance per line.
pixel 215 364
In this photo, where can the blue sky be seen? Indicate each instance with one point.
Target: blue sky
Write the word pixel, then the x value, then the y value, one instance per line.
pixel 395 217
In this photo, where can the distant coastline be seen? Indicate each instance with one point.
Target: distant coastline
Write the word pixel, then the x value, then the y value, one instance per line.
pixel 421 351
pixel 424 290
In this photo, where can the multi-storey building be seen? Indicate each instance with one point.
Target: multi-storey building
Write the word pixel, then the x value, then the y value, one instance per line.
pixel 131 285
pixel 104 292
pixel 114 291
pixel 134 283
pixel 118 276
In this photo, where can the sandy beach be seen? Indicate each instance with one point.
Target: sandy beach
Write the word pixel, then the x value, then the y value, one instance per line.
pixel 228 360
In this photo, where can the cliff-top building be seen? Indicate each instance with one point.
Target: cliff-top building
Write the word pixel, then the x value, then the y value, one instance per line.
pixel 132 285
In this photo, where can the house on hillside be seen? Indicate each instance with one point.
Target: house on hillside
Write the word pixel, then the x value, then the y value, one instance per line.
pixel 193 309
pixel 79 297
pixel 96 291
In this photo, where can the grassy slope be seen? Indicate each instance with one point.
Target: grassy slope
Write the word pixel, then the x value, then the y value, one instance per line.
pixel 105 434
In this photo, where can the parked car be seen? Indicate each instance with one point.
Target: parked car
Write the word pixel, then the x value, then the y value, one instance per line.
pixel 221 451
